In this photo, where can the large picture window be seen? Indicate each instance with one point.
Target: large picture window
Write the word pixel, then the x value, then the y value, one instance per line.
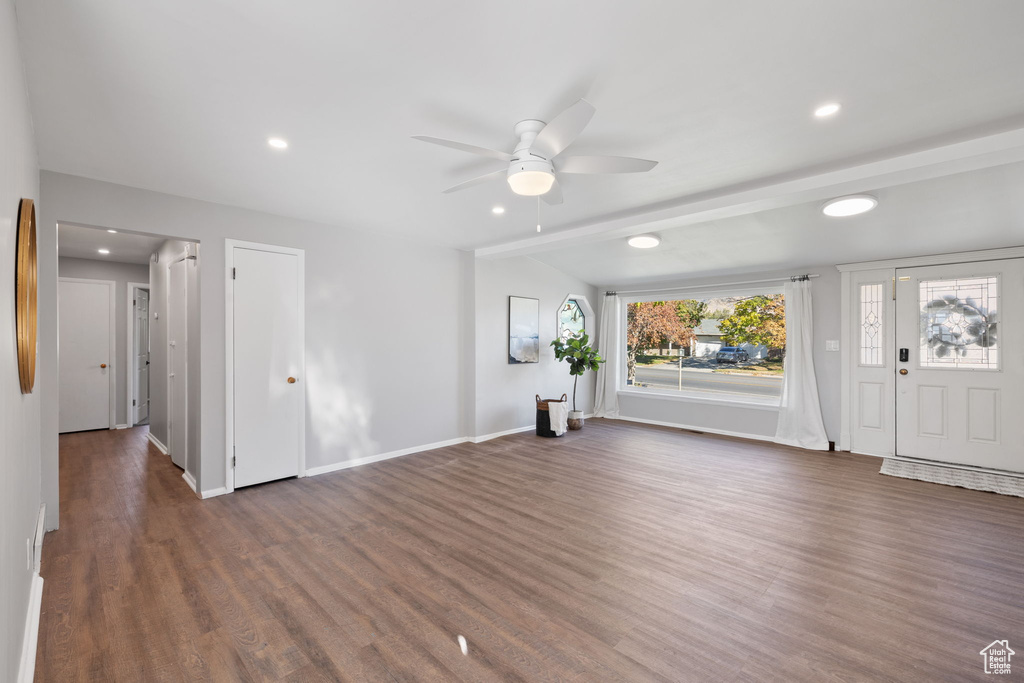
pixel 722 346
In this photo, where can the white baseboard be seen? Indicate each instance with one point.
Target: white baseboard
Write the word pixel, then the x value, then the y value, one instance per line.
pixel 694 428
pixel 324 469
pixel 191 481
pixel 156 442
pixel 213 493
pixel 495 435
pixel 27 668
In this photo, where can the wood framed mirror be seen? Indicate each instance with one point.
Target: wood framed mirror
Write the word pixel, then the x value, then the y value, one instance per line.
pixel 25 278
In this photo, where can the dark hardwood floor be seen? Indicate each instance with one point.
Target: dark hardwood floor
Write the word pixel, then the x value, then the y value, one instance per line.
pixel 622 552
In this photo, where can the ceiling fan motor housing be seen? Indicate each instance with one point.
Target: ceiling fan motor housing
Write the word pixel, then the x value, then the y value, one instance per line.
pixel 529 174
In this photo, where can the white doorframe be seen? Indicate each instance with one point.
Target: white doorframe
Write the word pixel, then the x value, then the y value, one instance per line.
pixel 847 346
pixel 229 351
pixel 130 346
pixel 111 334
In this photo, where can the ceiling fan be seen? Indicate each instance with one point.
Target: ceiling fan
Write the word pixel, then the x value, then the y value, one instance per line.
pixel 535 163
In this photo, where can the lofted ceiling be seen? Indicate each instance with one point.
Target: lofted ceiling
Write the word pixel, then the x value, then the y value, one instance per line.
pixel 75 241
pixel 181 97
pixel 971 211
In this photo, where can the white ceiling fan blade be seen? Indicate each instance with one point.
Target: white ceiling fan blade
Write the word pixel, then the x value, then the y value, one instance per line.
pixel 480 180
pixel 461 146
pixel 562 130
pixel 602 164
pixel 554 195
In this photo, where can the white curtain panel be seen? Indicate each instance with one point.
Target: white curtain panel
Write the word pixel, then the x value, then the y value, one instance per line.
pixel 800 411
pixel 606 400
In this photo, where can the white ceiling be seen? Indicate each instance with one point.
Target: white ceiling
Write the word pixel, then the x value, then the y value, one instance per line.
pixel 74 241
pixel 180 97
pixel 968 211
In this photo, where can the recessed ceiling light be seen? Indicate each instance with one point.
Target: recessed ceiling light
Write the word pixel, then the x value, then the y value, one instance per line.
pixel 498 210
pixel 850 205
pixel 112 231
pixel 278 143
pixel 826 110
pixel 103 251
pixel 644 241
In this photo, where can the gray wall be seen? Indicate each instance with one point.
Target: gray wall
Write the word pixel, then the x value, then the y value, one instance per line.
pixel 121 274
pixel 505 394
pixel 366 296
pixel 19 414
pixel 756 421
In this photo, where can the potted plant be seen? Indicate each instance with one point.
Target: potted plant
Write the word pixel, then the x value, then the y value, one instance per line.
pixel 576 350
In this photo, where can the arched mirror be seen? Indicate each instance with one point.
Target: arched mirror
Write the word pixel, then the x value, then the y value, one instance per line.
pixel 25 295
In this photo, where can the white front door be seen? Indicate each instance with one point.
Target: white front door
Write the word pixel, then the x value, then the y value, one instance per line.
pixel 177 362
pixel 141 342
pixel 267 364
pixel 86 363
pixel 960 363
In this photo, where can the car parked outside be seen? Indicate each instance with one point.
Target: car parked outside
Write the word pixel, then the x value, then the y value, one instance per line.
pixel 731 354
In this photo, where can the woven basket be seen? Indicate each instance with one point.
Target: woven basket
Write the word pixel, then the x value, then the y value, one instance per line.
pixel 543 418
pixel 542 403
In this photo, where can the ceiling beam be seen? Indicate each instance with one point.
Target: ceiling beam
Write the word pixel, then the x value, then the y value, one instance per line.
pixel 960 157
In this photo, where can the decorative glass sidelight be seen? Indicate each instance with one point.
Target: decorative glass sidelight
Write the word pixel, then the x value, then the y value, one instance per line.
pixel 871 297
pixel 958 323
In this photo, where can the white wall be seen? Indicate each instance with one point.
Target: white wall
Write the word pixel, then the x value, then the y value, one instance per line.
pixel 505 394
pixel 158 362
pixel 19 414
pixel 367 295
pixel 121 274
pixel 756 421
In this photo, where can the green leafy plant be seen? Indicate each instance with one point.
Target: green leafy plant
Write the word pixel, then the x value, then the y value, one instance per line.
pixel 576 351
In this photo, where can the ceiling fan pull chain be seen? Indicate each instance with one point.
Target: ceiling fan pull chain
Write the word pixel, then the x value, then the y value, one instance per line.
pixel 538 213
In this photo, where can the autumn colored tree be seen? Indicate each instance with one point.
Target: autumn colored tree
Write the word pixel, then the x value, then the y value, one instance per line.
pixel 759 320
pixel 649 324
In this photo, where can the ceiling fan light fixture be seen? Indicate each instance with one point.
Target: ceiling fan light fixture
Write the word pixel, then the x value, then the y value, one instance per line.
pixel 531 183
pixel 644 241
pixel 850 205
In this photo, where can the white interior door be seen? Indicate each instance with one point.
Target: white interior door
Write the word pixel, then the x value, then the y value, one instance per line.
pixel 960 363
pixel 86 354
pixel 177 361
pixel 267 363
pixel 140 341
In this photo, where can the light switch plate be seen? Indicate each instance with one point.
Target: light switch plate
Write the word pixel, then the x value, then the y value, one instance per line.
pixel 831 344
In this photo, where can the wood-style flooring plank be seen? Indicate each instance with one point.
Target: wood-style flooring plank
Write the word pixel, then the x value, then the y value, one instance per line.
pixel 620 553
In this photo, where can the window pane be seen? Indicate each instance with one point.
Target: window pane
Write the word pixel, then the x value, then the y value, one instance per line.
pixel 958 323
pixel 871 324
pixel 720 346
pixel 571 320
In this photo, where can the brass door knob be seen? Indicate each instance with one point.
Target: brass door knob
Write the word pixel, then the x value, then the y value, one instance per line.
pixel 291 380
pixel 903 371
pixel 103 365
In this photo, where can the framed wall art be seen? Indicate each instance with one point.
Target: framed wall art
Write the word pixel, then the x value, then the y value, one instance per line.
pixel 523 330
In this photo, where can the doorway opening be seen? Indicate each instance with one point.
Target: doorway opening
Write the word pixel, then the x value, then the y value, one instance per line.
pixel 129 337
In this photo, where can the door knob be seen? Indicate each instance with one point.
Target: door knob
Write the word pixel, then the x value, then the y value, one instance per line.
pixel 291 380
pixel 103 365
pixel 903 371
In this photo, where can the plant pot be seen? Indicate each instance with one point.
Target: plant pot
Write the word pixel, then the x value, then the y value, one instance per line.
pixel 575 419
